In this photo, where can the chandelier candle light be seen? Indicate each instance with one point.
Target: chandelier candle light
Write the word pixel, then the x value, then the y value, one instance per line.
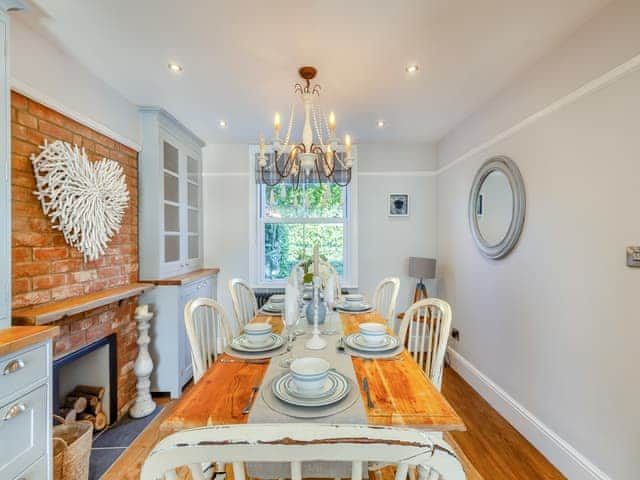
pixel 316 158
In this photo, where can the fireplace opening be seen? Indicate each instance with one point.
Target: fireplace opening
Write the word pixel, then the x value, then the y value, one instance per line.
pixel 94 364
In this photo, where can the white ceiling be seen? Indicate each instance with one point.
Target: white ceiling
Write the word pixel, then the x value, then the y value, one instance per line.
pixel 241 57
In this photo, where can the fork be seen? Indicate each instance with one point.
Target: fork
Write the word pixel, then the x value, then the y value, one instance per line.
pixel 247 406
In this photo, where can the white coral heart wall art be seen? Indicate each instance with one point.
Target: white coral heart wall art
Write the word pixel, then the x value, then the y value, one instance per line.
pixel 85 200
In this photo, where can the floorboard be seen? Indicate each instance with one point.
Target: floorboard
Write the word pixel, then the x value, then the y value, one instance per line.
pixel 495 449
pixel 490 449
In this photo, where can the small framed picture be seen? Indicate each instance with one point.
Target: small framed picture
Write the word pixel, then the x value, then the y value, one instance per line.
pixel 398 205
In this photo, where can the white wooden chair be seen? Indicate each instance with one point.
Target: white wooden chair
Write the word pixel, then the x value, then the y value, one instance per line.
pixel 208 331
pixel 299 443
pixel 245 305
pixel 385 297
pixel 426 327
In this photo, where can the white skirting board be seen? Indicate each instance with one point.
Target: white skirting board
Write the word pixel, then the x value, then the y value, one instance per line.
pixel 567 459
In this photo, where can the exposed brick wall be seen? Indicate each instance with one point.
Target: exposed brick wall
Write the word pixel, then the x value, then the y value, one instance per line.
pixel 45 268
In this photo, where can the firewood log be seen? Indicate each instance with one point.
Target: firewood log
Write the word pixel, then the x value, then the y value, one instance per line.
pixel 92 400
pixel 90 390
pixel 69 414
pixel 101 421
pixel 79 404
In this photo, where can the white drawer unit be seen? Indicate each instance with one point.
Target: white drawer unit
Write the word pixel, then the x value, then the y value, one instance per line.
pixel 22 369
pixel 171 358
pixel 23 424
pixel 36 471
pixel 25 412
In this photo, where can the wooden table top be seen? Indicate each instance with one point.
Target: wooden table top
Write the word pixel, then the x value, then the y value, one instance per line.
pixel 402 394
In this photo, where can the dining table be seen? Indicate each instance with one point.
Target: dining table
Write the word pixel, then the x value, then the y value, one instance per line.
pixel 401 393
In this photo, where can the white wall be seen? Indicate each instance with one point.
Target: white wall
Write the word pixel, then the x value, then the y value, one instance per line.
pixel 555 324
pixel 42 71
pixel 384 243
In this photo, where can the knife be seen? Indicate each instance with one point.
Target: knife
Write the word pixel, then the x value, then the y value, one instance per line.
pixel 365 386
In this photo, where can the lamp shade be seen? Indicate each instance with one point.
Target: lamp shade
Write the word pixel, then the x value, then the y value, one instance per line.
pixel 420 267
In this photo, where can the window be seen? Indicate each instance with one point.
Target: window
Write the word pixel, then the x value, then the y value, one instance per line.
pixel 289 221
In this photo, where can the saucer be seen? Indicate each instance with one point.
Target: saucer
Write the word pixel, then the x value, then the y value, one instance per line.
pixel 242 344
pixel 357 342
pixel 340 391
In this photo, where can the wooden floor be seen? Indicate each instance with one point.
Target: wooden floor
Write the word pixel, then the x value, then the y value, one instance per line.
pixel 494 448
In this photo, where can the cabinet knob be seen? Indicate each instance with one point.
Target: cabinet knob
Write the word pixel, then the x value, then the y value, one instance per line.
pixel 14 411
pixel 13 366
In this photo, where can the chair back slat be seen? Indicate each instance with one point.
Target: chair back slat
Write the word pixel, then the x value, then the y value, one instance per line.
pixel 385 298
pixel 208 331
pixel 296 444
pixel 425 330
pixel 245 304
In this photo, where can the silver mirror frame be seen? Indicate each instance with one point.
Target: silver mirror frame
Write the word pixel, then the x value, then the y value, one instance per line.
pixel 512 172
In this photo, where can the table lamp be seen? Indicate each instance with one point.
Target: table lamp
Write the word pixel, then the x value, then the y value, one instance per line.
pixel 420 267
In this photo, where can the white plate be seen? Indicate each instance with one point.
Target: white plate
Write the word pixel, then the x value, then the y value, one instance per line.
pixel 241 344
pixel 270 307
pixel 277 298
pixel 327 389
pixel 357 342
pixel 342 388
pixel 360 308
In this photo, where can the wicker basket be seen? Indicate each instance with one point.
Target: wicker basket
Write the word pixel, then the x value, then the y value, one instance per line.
pixel 71 449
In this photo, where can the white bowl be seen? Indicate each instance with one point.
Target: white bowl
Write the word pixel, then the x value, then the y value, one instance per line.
pixel 309 373
pixel 373 333
pixel 277 298
pixel 354 298
pixel 257 333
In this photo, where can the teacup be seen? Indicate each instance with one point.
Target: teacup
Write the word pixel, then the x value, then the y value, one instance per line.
pixel 373 333
pixel 258 333
pixel 309 373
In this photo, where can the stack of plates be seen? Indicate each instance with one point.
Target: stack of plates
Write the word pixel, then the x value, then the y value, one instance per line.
pixel 357 342
pixel 272 307
pixel 354 307
pixel 335 389
pixel 242 344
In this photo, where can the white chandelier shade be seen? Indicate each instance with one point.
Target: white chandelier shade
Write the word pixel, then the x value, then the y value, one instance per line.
pixel 319 157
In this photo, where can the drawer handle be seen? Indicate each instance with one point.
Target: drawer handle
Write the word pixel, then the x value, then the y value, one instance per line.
pixel 14 411
pixel 13 366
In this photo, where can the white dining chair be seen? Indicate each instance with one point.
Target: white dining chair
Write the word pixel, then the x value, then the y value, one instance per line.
pixel 296 444
pixel 425 330
pixel 208 331
pixel 385 297
pixel 245 305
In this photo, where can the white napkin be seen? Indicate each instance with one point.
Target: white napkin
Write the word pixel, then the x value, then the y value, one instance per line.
pixel 330 290
pixel 290 305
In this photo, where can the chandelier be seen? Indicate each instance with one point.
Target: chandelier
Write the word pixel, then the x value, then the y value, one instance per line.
pixel 316 159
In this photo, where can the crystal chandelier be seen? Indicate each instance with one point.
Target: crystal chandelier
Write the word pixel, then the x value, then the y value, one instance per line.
pixel 316 158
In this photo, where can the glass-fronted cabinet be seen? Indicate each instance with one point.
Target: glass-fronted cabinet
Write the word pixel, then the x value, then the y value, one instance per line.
pixel 170 182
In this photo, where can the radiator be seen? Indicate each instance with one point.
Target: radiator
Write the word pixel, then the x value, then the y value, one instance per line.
pixel 263 295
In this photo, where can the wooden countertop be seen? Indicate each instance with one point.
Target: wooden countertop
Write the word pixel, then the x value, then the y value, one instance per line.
pixel 15 338
pixel 50 312
pixel 185 278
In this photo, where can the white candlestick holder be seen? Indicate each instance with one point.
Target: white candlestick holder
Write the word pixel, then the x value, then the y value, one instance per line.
pixel 142 368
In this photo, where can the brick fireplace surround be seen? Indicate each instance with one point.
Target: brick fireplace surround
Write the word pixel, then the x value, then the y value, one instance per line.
pixel 45 269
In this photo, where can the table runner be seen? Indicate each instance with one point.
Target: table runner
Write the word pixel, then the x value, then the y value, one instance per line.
pixel 354 414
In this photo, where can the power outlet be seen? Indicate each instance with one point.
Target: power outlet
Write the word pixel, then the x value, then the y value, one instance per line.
pixel 455 334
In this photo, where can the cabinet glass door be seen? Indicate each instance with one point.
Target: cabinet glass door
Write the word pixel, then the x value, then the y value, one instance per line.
pixel 171 172
pixel 193 208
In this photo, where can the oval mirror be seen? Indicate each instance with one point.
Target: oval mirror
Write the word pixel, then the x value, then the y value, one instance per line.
pixel 497 206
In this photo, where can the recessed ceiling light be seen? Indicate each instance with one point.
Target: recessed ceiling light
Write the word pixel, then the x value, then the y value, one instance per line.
pixel 380 123
pixel 222 124
pixel 174 67
pixel 412 68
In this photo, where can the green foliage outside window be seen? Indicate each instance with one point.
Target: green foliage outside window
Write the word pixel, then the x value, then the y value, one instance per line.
pixel 287 243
